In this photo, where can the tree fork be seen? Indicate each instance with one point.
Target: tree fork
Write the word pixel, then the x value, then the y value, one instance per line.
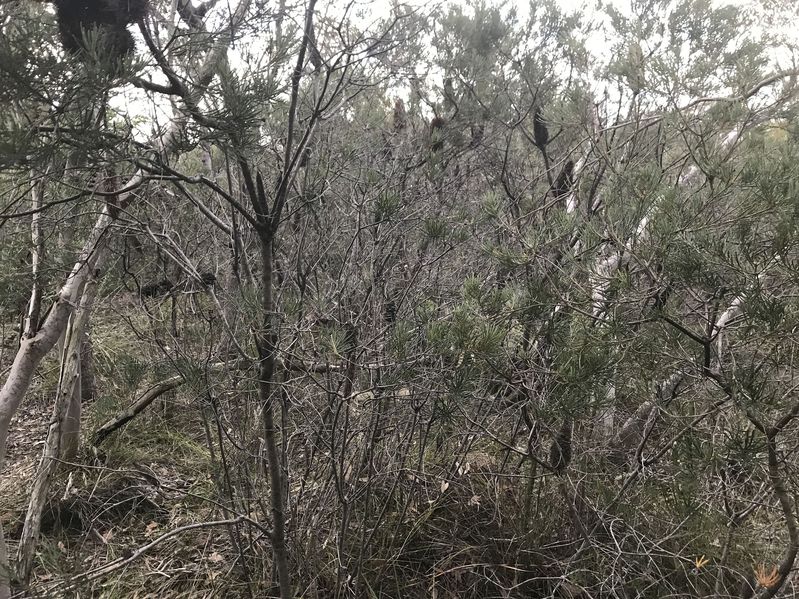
pixel 33 350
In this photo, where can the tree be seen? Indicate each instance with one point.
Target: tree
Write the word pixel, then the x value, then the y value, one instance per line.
pixel 451 303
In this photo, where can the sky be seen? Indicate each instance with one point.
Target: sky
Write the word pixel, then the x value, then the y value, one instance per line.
pixel 366 12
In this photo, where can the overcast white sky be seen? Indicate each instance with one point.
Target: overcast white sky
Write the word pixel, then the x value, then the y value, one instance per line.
pixel 371 11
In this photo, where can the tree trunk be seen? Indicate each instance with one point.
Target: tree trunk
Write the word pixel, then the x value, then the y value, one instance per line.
pixel 266 342
pixel 37 255
pixel 87 384
pixel 31 351
pixel 69 441
pixel 63 433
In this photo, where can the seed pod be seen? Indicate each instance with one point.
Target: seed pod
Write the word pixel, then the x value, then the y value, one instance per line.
pixel 400 115
pixel 540 131
pixel 560 453
pixel 565 180
pixel 437 133
pixel 107 19
pixel 315 56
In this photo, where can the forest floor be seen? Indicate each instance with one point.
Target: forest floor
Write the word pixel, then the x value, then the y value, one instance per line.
pixel 117 500
pixel 25 442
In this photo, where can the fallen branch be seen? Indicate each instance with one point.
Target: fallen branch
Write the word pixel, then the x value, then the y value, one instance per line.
pixel 137 407
pixel 132 556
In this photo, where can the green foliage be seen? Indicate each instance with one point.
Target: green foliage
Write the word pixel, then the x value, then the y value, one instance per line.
pixel 400 343
pixel 480 306
pixel 436 229
pixel 387 206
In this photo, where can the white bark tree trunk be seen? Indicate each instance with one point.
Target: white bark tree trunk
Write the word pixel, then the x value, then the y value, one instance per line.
pixel 32 350
pixel 63 431
pixel 37 254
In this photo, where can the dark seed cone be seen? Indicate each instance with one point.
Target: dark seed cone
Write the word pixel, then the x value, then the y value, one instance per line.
pixel 540 131
pixel 400 115
pixel 565 180
pixel 560 453
pixel 107 18
pixel 437 133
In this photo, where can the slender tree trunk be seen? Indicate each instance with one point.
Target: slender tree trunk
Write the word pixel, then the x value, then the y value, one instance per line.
pixel 69 439
pixel 348 459
pixel 37 255
pixel 62 434
pixel 70 426
pixel 87 384
pixel 788 510
pixel 31 351
pixel 267 347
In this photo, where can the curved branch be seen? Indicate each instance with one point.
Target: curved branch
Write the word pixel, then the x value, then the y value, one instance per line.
pixel 138 406
pixel 283 187
pixel 778 485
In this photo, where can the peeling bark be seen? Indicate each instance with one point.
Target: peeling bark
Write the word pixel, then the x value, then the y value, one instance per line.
pixel 32 350
pixel 63 432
